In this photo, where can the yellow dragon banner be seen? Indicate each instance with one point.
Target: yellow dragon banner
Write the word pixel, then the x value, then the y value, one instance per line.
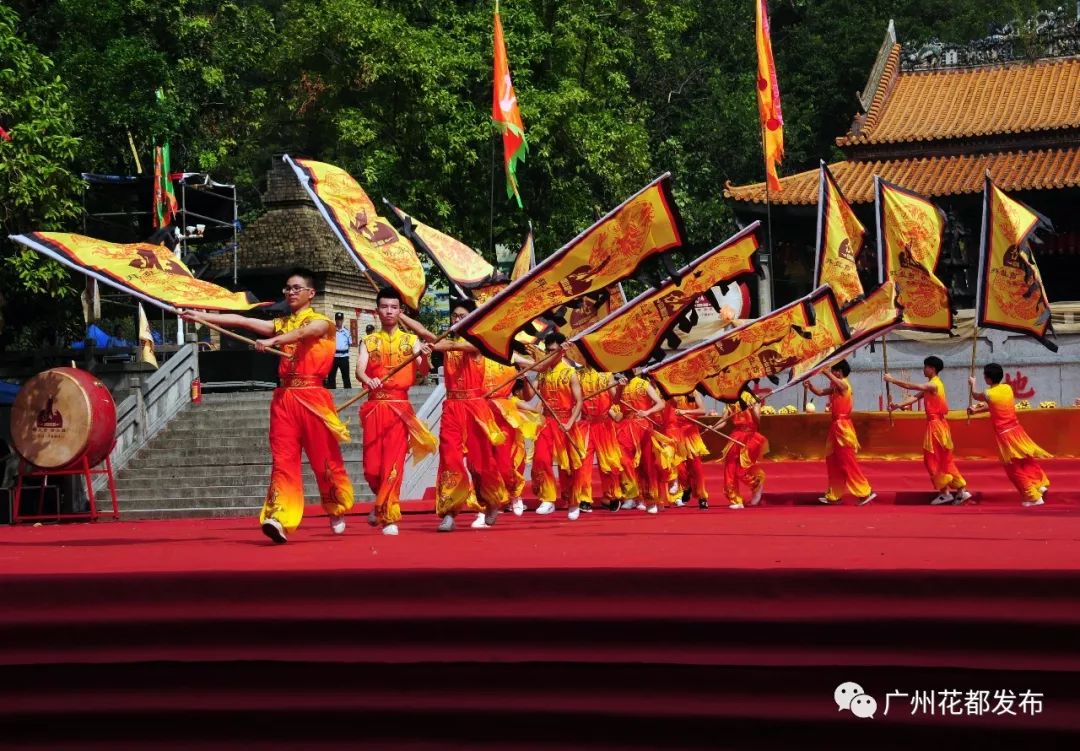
pixel 840 237
pixel 632 334
pixel 643 226
pixel 1011 295
pixel 910 235
pixel 374 244
pixel 150 272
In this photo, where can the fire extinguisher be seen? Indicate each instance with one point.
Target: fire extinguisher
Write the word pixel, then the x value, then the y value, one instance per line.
pixel 196 391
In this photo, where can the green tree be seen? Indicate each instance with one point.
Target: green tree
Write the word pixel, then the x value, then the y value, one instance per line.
pixel 37 188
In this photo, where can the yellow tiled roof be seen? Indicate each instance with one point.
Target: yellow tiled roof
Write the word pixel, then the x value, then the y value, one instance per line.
pixel 1041 169
pixel 1020 97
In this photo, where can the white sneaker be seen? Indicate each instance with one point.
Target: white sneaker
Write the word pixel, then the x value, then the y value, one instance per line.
pixel 640 506
pixel 517 506
pixel 1043 489
pixel 864 501
pixel 755 499
pixel 629 503
pixel 673 487
pixel 373 517
pixel 826 501
pixel 573 513
pixel 479 522
pixel 961 495
pixel 547 507
pixel 653 509
pixel 337 524
pixel 390 529
pixel 447 524
pixel 1037 502
pixel 942 498
pixel 491 515
pixel 736 506
pixel 272 528
pixel 679 503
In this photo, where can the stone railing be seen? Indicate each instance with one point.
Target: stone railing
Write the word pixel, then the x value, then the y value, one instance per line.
pixel 154 400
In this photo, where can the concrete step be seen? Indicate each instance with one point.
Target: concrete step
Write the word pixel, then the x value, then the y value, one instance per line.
pixel 151 495
pixel 186 457
pixel 191 513
pixel 205 475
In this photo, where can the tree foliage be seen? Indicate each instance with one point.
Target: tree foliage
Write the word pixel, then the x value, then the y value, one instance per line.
pixel 398 92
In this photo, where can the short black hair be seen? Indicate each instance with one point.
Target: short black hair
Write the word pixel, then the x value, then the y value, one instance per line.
pixel 304 273
pixel 994 372
pixel 370 328
pixel 388 293
pixel 339 316
pixel 935 362
pixel 554 339
pixel 462 302
pixel 843 367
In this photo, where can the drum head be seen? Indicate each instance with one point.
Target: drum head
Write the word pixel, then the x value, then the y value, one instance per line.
pixel 51 419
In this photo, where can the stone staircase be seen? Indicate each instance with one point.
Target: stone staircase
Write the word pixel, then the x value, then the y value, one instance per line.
pixel 213 459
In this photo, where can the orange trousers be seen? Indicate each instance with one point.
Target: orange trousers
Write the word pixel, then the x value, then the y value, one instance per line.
pixel 469 473
pixel 845 475
pixel 386 443
pixel 938 457
pixel 295 426
pixel 510 456
pixel 552 448
pixel 1028 477
pixel 603 448
pixel 742 464
pixel 647 476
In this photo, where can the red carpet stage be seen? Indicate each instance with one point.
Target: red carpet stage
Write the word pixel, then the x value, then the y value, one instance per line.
pixel 686 629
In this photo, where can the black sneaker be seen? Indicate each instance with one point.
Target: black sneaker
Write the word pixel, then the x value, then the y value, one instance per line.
pixel 686 495
pixel 586 507
pixel 614 505
pixel 703 504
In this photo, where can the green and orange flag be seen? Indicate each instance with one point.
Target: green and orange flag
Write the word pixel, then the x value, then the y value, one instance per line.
pixel 165 204
pixel 506 115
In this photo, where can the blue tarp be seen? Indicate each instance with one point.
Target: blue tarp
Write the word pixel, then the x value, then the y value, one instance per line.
pixel 8 392
pixel 101 339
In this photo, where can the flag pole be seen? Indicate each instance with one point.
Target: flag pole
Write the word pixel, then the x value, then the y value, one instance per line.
pixel 238 337
pixel 885 369
pixel 520 373
pixel 771 265
pixel 974 348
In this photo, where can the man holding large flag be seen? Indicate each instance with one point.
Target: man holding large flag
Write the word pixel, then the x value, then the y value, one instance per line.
pixel 506 115
pixel 302 415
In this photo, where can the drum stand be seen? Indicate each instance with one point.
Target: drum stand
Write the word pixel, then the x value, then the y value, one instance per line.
pixel 81 468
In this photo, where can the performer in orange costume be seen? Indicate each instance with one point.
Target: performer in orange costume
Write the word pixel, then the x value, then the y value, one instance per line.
pixel 469 475
pixel 647 451
pixel 603 444
pixel 742 463
pixel 1018 451
pixel 938 443
pixel 514 419
pixel 842 445
pixel 391 427
pixel 689 448
pixel 302 414
pixel 565 446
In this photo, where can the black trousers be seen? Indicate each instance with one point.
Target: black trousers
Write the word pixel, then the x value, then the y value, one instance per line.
pixel 342 364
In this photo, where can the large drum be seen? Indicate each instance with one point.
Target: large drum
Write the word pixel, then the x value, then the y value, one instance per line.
pixel 61 416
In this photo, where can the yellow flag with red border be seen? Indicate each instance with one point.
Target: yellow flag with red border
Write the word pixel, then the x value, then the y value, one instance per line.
pixel 761 348
pixel 645 225
pixel 526 257
pixel 632 334
pixel 911 233
pixel 372 242
pixel 1011 295
pixel 150 272
pixel 462 265
pixel 840 237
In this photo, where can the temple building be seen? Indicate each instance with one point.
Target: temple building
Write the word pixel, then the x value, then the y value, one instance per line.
pixel 935 119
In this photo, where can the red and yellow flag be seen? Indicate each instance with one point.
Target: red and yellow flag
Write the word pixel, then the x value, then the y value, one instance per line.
pixel 840 237
pixel 768 97
pixel 1011 295
pixel 609 251
pixel 462 265
pixel 506 115
pixel 762 348
pixel 150 272
pixel 374 244
pixel 526 257
pixel 910 235
pixel 632 334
